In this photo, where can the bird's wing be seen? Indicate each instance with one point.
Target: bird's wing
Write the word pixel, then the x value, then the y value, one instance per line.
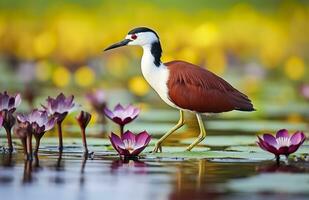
pixel 197 89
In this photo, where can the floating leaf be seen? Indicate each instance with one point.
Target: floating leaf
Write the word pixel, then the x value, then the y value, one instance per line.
pixel 224 140
pixel 253 125
pixel 201 153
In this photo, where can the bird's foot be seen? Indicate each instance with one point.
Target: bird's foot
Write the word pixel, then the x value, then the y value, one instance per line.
pixel 158 148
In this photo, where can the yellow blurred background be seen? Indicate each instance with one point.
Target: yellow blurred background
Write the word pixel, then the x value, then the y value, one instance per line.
pixel 260 46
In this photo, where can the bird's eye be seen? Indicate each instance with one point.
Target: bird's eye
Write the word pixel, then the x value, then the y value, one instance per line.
pixel 133 36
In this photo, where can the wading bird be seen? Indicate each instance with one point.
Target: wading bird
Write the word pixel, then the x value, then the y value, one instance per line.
pixel 183 85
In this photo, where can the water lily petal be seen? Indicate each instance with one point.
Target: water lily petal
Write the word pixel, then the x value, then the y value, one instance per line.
pixel 297 138
pixel 270 139
pixel 261 144
pixel 142 139
pixel 118 107
pixel 283 151
pixel 293 148
pixel 108 113
pixel 282 133
pixel 265 146
pixel 128 135
pixel 138 150
pixel 17 100
pixel 115 140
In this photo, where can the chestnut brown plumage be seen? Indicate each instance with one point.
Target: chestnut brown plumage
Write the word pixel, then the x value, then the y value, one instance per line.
pixel 197 89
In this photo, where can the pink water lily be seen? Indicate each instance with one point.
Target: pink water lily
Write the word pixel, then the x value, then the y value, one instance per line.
pixel 129 144
pixel 97 100
pixel 8 104
pixel 59 107
pixel 37 123
pixel 282 143
pixel 122 115
pixel 38 120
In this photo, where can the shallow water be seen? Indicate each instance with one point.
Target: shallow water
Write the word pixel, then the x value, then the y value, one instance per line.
pixel 71 176
pixel 231 167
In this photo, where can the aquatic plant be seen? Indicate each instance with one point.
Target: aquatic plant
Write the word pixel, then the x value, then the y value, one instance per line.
pixel 122 115
pixel 22 132
pixel 129 144
pixel 37 123
pixel 58 108
pixel 97 100
pixel 304 91
pixel 83 120
pixel 282 143
pixel 8 106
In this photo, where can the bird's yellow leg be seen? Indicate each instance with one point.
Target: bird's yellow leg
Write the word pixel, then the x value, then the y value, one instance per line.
pixel 181 122
pixel 202 135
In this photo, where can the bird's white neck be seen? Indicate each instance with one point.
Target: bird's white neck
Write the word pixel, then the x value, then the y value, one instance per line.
pixel 156 75
pixel 148 59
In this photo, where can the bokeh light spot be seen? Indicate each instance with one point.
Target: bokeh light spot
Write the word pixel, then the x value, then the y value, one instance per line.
pixel 61 76
pixel 84 76
pixel 138 86
pixel 43 70
pixel 294 68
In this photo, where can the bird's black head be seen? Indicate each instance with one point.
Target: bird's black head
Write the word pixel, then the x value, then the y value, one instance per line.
pixel 140 36
pixel 145 37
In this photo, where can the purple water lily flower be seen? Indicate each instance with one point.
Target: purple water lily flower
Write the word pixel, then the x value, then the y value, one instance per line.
pixel 59 108
pixel 129 144
pixel 8 102
pixel 282 143
pixel 8 106
pixel 38 123
pixel 97 100
pixel 304 91
pixel 122 115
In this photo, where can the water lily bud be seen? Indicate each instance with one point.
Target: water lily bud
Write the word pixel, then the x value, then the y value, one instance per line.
pixel 83 119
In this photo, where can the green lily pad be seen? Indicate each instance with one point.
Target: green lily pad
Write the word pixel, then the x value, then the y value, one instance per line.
pixel 276 182
pixel 175 149
pixel 303 149
pixel 224 140
pixel 93 129
pixel 160 115
pixel 252 125
pixel 78 141
pixel 201 153
pixel 152 128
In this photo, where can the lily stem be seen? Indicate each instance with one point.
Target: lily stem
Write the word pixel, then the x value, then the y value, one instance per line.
pixel 121 129
pixel 9 137
pixel 84 140
pixel 59 125
pixel 278 159
pixel 37 145
pixel 29 146
pixel 24 143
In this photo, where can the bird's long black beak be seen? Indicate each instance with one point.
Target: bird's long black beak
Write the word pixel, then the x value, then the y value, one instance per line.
pixel 119 44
